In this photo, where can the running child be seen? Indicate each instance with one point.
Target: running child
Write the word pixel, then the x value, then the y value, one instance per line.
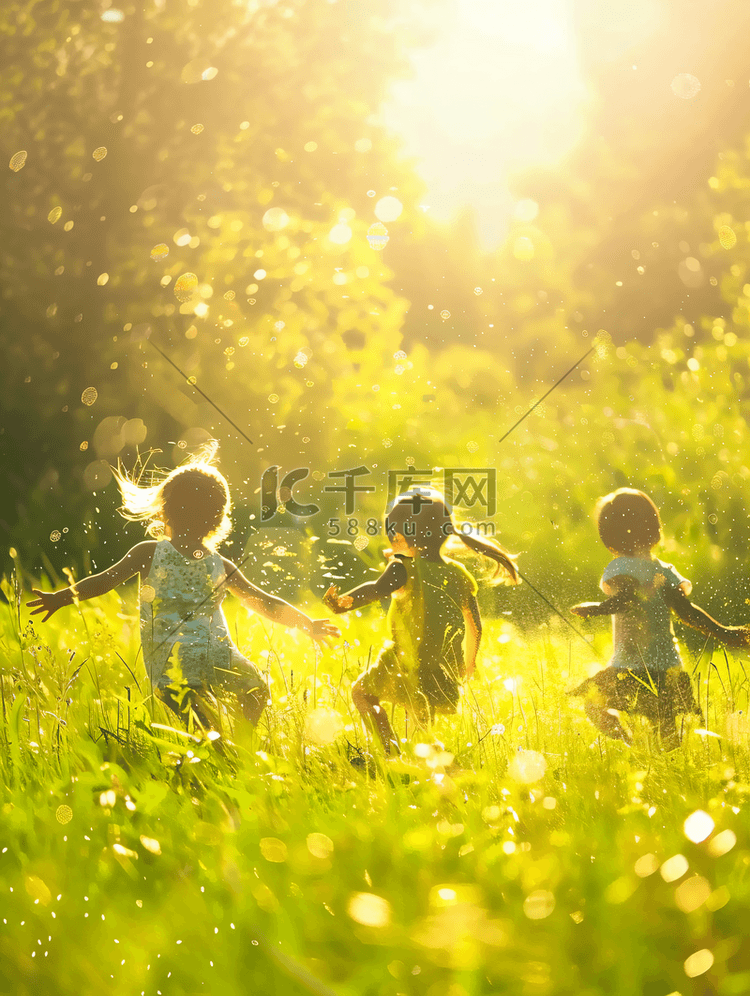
pixel 645 674
pixel 433 612
pixel 183 581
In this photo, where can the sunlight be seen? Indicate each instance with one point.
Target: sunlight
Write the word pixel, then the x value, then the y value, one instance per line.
pixel 502 89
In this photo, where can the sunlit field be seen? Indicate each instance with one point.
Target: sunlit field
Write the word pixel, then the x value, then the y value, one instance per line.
pixel 510 851
pixel 497 247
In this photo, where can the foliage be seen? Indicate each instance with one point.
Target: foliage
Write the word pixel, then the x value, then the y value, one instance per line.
pixel 232 142
pixel 519 853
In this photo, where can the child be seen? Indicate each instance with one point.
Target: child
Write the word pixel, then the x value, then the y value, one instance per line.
pixel 433 606
pixel 183 583
pixel 645 674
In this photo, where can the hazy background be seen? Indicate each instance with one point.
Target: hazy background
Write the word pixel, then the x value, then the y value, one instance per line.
pixel 202 178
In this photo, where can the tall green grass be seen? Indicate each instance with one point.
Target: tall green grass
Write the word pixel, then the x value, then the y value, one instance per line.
pixel 509 851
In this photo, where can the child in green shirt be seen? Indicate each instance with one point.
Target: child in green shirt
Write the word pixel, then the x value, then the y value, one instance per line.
pixel 433 611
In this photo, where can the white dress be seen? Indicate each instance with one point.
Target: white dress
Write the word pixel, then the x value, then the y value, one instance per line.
pixel 643 636
pixel 182 621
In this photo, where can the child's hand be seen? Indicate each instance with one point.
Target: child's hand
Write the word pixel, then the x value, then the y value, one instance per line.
pixel 48 601
pixel 586 609
pixel 335 602
pixel 323 631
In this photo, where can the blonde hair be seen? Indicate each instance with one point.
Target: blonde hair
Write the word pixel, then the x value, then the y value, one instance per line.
pixel 195 493
pixel 424 518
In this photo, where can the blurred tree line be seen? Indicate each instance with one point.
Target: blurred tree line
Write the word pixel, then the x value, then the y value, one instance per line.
pixel 201 177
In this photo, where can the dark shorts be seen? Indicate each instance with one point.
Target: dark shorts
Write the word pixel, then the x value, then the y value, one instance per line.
pixel 650 693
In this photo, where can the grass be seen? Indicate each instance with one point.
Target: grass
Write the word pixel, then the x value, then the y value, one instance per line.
pixel 523 856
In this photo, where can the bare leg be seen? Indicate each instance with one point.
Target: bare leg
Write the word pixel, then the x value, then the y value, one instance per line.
pixel 607 722
pixel 253 703
pixel 369 707
pixel 666 728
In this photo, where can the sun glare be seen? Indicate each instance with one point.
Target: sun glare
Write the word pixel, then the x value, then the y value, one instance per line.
pixel 501 89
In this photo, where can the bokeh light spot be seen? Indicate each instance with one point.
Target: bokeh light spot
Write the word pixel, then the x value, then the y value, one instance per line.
pixel 369 909
pixel 698 826
pixel 526 210
pixel 273 849
pixel 275 219
pixel 538 905
pixel 527 766
pixel 185 286
pixel 319 845
pixel 722 843
pixel 698 963
pixel 685 85
pixel 727 237
pixel 388 209
pixel 523 249
pixel 377 236
pixel 674 868
pixel 323 725
pixel 340 234
pixel 63 814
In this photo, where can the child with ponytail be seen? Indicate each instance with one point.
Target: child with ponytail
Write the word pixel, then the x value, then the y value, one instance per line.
pixel 433 617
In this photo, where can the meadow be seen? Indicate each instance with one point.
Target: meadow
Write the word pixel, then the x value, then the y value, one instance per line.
pixel 509 851
pixel 194 248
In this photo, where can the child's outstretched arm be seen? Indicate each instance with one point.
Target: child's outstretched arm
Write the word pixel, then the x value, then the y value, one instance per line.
pixel 473 633
pixel 626 595
pixel 392 578
pixel 274 608
pixel 136 561
pixel 697 618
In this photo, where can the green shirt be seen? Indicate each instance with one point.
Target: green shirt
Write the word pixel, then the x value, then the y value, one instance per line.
pixel 426 622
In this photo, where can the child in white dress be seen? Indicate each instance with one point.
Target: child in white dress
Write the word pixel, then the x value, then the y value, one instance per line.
pixel 186 643
pixel 645 674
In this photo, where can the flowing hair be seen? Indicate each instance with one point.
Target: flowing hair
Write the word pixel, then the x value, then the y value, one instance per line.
pixel 424 518
pixel 196 492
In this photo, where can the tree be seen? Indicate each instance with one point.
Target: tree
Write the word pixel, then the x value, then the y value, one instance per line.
pixel 195 178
